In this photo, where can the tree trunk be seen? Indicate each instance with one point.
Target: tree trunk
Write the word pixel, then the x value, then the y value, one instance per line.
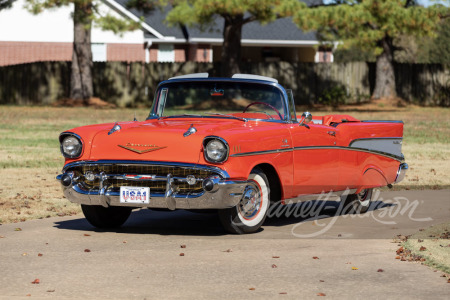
pixel 385 76
pixel 231 49
pixel 81 73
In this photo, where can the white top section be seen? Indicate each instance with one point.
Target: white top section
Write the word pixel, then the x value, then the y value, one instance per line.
pixel 193 75
pixel 256 77
pixel 56 25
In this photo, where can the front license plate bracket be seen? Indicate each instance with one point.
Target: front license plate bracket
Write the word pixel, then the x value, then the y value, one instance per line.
pixel 135 195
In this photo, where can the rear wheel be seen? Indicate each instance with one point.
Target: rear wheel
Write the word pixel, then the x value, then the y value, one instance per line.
pixel 357 203
pixel 106 217
pixel 251 211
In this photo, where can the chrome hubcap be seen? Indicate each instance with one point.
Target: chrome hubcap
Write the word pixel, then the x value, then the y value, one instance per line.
pixel 363 195
pixel 250 203
pixel 364 198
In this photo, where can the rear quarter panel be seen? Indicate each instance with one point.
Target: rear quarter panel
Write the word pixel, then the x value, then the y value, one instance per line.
pixel 358 169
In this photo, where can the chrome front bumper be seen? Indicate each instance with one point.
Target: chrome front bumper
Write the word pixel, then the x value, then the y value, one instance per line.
pixel 401 172
pixel 225 193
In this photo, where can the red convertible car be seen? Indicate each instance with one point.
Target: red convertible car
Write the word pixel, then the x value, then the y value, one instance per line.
pixel 235 145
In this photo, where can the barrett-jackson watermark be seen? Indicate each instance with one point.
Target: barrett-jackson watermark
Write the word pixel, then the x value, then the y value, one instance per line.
pixel 321 209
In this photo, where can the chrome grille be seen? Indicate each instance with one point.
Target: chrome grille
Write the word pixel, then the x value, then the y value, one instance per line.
pixel 136 169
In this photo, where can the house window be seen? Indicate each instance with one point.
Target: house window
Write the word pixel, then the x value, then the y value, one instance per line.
pixel 98 52
pixel 166 53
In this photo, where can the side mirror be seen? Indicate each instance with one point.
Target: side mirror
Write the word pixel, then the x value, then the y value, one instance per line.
pixel 306 118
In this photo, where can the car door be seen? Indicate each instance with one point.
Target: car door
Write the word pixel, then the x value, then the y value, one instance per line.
pixel 315 157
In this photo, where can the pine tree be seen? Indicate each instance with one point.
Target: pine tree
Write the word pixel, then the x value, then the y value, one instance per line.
pixel 436 50
pixel 236 13
pixel 372 25
pixel 84 15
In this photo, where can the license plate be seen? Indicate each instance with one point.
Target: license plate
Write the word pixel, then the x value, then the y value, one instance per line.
pixel 130 194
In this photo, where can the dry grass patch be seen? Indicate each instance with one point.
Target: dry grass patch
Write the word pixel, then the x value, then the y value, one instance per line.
pixel 429 165
pixel 32 194
pixel 433 244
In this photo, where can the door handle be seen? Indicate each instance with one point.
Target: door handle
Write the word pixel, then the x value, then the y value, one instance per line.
pixel 332 133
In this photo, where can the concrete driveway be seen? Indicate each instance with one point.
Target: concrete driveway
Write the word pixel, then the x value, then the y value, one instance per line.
pixel 143 260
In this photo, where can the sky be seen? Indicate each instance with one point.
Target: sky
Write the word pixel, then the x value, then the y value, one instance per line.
pixel 428 2
pixel 423 2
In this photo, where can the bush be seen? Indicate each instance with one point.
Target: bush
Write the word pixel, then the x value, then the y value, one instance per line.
pixel 334 96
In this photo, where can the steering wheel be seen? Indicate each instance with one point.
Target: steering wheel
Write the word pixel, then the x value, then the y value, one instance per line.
pixel 266 104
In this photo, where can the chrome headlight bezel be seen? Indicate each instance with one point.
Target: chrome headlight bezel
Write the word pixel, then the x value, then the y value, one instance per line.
pixel 211 142
pixel 78 148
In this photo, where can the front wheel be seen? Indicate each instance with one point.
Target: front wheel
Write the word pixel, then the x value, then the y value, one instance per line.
pixel 357 203
pixel 251 211
pixel 106 217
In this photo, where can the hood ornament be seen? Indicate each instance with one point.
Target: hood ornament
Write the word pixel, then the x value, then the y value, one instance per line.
pixel 141 148
pixel 115 128
pixel 190 131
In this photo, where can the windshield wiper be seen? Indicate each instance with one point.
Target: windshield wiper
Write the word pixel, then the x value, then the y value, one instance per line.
pixel 225 115
pixel 182 116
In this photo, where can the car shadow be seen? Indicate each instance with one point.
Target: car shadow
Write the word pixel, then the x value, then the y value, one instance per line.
pixel 145 221
pixel 189 223
pixel 313 210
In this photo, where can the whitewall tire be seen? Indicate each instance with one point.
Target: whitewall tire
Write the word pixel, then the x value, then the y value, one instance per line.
pixel 251 211
pixel 357 203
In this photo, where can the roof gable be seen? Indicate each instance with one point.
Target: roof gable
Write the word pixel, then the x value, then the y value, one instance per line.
pixel 278 30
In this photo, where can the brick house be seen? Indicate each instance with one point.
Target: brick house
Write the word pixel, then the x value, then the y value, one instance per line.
pixel 48 36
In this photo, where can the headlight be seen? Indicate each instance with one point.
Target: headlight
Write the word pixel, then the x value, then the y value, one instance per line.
pixel 71 146
pixel 216 150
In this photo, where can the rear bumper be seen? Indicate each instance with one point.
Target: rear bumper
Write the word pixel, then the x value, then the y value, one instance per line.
pixel 226 193
pixel 401 172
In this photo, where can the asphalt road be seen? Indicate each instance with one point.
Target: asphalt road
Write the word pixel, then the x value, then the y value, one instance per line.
pixel 142 260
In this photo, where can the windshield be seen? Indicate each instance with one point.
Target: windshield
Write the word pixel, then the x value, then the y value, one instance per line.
pixel 219 99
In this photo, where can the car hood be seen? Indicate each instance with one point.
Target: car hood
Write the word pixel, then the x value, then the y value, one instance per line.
pixel 156 140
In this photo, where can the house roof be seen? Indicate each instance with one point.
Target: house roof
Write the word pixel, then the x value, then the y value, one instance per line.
pixel 281 31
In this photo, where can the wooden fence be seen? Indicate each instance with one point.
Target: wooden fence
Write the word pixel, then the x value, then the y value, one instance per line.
pixel 133 84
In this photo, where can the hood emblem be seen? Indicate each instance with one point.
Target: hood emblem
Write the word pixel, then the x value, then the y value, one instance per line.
pixel 141 148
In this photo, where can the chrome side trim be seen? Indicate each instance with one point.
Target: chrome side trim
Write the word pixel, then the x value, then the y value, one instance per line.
pixel 262 152
pixel 389 155
pixel 222 173
pixel 382 121
pixel 332 195
pixel 401 172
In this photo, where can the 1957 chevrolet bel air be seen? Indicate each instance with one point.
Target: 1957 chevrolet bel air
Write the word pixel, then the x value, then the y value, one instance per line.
pixel 231 144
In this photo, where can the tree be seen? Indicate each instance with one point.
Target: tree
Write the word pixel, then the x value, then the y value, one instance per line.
pixel 372 25
pixel 436 50
pixel 235 13
pixel 5 4
pixel 84 14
